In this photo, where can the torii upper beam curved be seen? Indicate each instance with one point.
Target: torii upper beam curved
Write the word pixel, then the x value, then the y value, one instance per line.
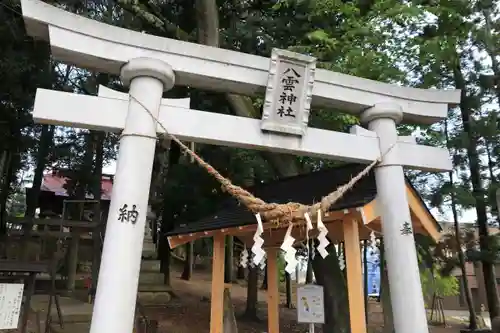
pixel 98 46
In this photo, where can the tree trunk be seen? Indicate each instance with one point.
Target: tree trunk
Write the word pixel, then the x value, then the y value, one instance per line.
pixel 385 295
pixel 5 191
pixel 478 191
pixel 4 167
pixel 240 274
pixel 187 273
pixel 43 150
pixel 465 281
pixel 228 258
pixel 309 269
pixel 228 319
pixel 491 48
pixel 98 232
pixel 167 259
pixel 164 251
pixel 75 211
pixel 252 294
pixel 32 201
pixel 166 220
pixel 288 287
pixel 493 179
pixel 208 34
pixel 329 275
pixel 3 161
pixel 264 281
pixel 461 257
pixel 85 172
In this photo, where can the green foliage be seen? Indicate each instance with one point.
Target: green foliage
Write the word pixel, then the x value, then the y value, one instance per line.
pixel 435 265
pixel 435 284
pixel 489 255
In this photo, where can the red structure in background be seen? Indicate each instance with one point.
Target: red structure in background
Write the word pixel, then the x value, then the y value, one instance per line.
pixel 55 182
pixel 53 192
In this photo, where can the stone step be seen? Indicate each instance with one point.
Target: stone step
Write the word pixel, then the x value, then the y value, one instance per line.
pixel 82 312
pixel 150 277
pixel 154 298
pixel 75 313
pixel 69 319
pixel 149 249
pixel 83 327
pixel 149 255
pixel 148 265
pixel 154 288
pixel 154 294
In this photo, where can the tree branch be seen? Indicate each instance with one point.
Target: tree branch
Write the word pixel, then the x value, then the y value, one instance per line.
pixel 208 34
pixel 156 21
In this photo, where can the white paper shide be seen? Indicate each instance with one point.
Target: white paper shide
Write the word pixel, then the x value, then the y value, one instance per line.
pixel 290 252
pixel 257 250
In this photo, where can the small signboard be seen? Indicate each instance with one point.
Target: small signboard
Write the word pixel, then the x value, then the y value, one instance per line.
pixel 11 297
pixel 288 93
pixel 310 304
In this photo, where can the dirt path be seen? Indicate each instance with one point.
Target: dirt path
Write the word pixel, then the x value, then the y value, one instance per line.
pixel 191 311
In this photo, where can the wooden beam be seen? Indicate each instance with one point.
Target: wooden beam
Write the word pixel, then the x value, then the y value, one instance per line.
pixel 217 296
pixel 425 219
pixel 51 234
pixel 369 212
pixel 422 220
pixel 273 299
pixel 354 276
pixel 270 228
pixel 72 262
pixel 178 240
pixel 54 222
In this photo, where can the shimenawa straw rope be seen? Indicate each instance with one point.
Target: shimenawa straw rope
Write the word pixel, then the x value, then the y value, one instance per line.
pixel 271 212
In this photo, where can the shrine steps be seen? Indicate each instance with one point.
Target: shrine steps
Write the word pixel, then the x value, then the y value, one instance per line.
pixel 83 327
pixel 77 313
pixel 73 311
pixel 148 265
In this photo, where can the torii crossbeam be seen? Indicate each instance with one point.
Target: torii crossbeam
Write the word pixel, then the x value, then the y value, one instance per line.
pixel 51 107
pixel 151 65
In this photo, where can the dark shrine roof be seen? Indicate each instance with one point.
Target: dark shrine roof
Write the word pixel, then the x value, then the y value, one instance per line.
pixel 305 189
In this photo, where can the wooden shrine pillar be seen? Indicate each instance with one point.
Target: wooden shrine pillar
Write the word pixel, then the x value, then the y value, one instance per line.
pixel 273 296
pixel 217 295
pixel 73 260
pixel 354 276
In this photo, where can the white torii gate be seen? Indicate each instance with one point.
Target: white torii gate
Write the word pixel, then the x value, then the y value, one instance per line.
pixel 151 65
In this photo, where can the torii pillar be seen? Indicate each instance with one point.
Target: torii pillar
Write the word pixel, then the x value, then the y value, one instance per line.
pixel 399 244
pixel 114 308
